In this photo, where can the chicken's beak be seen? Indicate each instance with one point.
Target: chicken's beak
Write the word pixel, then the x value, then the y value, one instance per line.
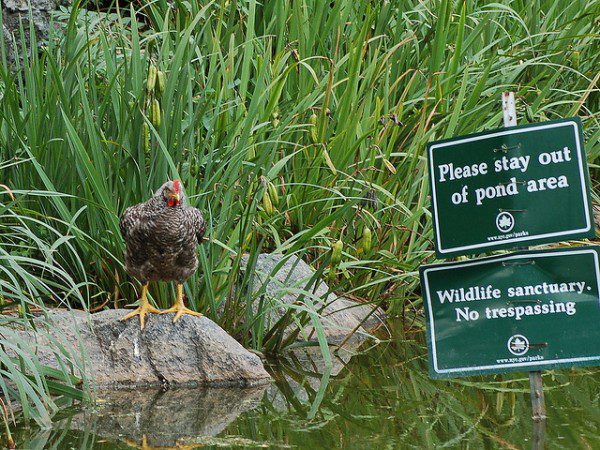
pixel 175 197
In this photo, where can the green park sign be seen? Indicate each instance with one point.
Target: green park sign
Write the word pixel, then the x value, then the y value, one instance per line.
pixel 511 187
pixel 530 310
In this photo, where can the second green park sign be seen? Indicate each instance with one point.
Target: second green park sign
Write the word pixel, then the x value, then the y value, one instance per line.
pixel 516 186
pixel 525 311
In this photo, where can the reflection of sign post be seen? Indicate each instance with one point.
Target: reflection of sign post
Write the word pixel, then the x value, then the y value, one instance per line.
pixel 520 312
pixel 511 187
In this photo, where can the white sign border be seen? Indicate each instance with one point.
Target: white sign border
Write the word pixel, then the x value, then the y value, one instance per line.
pixel 441 250
pixel 466 370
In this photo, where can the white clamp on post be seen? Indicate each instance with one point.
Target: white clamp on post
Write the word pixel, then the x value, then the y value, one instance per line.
pixel 509 111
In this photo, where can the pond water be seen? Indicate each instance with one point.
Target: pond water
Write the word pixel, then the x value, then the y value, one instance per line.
pixel 375 396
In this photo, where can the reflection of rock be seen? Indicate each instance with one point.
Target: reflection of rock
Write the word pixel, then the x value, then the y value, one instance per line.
pixel 193 351
pixel 300 375
pixel 340 316
pixel 165 418
pixel 310 360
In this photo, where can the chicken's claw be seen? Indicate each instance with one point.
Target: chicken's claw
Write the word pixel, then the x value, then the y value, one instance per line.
pixel 143 309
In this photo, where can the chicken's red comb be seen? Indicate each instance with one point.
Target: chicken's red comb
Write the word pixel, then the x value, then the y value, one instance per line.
pixel 176 185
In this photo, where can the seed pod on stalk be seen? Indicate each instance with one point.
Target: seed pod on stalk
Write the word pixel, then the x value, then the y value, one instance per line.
pixel 575 57
pixel 366 240
pixel 267 205
pixel 160 82
pixel 146 137
pixel 155 113
pixel 336 252
pixel 313 128
pixel 328 160
pixel 273 193
pixel 151 79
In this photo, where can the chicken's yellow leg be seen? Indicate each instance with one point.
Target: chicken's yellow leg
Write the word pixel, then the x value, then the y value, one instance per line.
pixel 143 309
pixel 179 308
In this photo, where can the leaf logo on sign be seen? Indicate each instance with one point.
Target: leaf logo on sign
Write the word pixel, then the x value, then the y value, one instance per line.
pixel 518 344
pixel 505 222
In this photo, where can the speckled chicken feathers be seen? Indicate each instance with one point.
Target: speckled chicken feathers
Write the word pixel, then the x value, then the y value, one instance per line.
pixel 161 240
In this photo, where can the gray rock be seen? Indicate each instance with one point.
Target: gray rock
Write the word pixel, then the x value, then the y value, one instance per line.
pixel 13 11
pixel 340 316
pixel 193 351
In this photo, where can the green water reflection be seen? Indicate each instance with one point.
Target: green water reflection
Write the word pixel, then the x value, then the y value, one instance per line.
pixel 375 396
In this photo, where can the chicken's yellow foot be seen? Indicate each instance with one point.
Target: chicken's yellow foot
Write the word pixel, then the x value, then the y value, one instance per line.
pixel 179 308
pixel 142 446
pixel 143 309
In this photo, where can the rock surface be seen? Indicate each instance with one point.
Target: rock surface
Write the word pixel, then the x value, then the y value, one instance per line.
pixel 15 10
pixel 193 351
pixel 339 315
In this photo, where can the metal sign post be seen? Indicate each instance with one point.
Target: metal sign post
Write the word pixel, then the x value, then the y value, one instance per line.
pixel 538 402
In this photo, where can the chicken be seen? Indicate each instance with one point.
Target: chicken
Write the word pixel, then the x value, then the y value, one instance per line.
pixel 161 236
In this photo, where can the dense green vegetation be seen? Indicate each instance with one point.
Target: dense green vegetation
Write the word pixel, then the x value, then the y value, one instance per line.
pixel 330 104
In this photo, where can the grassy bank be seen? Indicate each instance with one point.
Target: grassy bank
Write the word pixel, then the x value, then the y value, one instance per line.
pixel 330 102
